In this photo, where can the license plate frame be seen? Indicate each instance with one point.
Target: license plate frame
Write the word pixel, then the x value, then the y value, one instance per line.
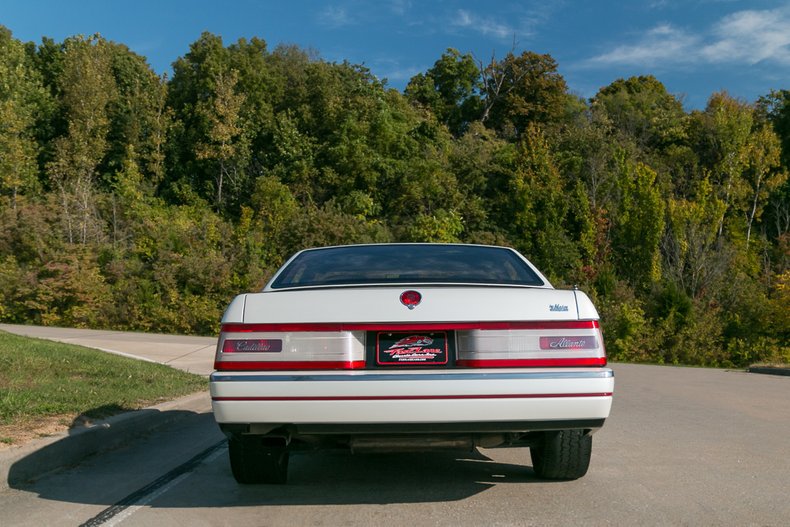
pixel 412 348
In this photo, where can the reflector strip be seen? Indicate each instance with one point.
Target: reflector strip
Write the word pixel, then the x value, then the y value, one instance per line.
pixel 417 397
pixel 287 365
pixel 531 363
pixel 410 326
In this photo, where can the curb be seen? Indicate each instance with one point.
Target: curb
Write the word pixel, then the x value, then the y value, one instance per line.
pixel 37 458
pixel 770 371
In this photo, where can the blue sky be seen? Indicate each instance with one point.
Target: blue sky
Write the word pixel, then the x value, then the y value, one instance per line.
pixel 695 47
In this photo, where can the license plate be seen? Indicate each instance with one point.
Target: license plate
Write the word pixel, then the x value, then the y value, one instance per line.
pixel 412 348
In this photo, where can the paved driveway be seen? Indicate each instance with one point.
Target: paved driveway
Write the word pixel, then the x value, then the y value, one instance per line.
pixel 683 446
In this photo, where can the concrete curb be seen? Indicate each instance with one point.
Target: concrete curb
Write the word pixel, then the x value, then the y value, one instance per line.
pixel 770 371
pixel 34 459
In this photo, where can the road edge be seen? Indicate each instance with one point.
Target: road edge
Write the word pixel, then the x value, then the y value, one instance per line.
pixel 769 370
pixel 34 459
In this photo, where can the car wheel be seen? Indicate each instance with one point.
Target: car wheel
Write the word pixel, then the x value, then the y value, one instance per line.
pixel 564 454
pixel 251 462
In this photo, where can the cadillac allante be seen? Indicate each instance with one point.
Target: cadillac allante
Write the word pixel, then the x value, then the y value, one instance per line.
pixel 398 347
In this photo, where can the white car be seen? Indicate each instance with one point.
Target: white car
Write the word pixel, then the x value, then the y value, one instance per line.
pixel 410 346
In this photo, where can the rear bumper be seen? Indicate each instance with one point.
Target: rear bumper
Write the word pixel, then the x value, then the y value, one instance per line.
pixel 368 400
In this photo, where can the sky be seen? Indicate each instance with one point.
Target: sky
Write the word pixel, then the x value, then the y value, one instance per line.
pixel 695 47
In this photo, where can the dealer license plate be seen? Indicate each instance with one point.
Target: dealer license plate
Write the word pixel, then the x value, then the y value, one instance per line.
pixel 411 348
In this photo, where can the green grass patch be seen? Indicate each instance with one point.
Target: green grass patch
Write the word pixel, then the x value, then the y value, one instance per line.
pixel 41 379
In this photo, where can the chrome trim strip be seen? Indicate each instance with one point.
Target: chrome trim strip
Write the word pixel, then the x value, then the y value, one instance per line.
pixel 376 376
pixel 317 398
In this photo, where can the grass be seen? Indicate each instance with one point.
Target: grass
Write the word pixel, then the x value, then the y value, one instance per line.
pixel 43 381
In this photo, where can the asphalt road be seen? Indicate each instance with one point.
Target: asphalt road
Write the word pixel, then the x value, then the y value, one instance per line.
pixel 683 446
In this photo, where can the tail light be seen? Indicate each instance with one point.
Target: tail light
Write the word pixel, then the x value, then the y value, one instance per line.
pixel 249 347
pixel 575 343
pixel 342 346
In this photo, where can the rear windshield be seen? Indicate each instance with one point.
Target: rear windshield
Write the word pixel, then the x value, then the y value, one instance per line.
pixel 400 264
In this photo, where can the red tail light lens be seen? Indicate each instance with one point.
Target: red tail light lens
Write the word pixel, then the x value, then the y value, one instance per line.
pixel 567 344
pixel 536 344
pixel 259 347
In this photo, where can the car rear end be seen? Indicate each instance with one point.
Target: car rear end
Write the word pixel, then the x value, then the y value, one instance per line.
pixel 390 367
pixel 343 378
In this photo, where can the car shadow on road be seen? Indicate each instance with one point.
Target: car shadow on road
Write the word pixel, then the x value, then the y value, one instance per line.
pixel 342 478
pixel 315 478
pixel 86 438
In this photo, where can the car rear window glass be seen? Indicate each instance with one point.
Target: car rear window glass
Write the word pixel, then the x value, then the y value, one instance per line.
pixel 398 264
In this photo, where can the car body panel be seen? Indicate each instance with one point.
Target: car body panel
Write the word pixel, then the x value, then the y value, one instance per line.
pixel 412 396
pixel 382 304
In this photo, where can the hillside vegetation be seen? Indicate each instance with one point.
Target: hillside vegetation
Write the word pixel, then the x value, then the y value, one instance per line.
pixel 133 201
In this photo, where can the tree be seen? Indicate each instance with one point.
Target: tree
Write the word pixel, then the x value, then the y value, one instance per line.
pixel 441 227
pixel 641 108
pixel 87 88
pixel 139 118
pixel 763 173
pixel 638 224
pixel 450 89
pixel 21 96
pixel 724 129
pixel 483 164
pixel 694 256
pixel 538 208
pixel 226 144
pixel 775 108
pixel 190 94
pixel 522 89
pixel 293 159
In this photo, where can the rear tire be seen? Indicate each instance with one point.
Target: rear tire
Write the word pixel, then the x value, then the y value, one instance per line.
pixel 251 462
pixel 564 454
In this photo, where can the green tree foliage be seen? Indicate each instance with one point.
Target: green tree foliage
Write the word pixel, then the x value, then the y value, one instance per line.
pixel 225 144
pixel 694 256
pixel 523 89
pixel 131 201
pixel 723 132
pixel 638 224
pixel 641 108
pixel 139 117
pixel 539 208
pixel 764 174
pixel 775 108
pixel 87 87
pixel 450 89
pixel 23 101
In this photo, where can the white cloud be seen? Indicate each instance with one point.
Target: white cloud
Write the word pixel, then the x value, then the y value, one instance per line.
pixel 744 37
pixel 335 17
pixel 484 25
pixel 661 44
pixel 751 37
